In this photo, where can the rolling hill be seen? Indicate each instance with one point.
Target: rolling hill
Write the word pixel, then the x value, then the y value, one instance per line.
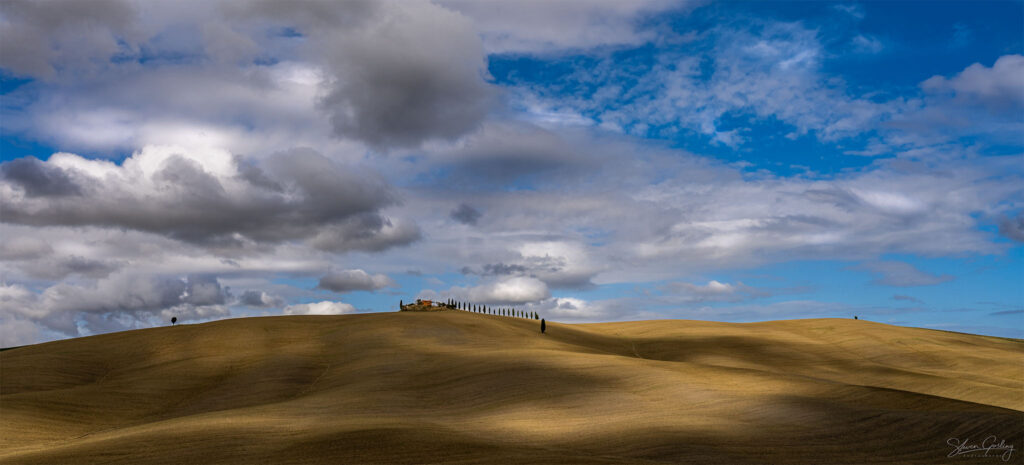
pixel 457 387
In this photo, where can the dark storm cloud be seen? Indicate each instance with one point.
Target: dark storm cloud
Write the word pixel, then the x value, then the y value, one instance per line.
pixel 400 73
pixel 465 214
pixel 410 73
pixel 39 179
pixel 207 198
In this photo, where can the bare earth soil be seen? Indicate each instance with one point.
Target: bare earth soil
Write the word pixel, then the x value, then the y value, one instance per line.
pixel 457 387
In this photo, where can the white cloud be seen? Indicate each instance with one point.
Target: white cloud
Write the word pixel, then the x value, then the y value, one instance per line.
pixel 769 70
pixel 208 196
pixel 120 301
pixel 354 280
pixel 537 26
pixel 514 290
pixel 714 291
pixel 24 247
pixel 867 44
pixel 259 299
pixel 998 87
pixel 325 307
pixel 576 310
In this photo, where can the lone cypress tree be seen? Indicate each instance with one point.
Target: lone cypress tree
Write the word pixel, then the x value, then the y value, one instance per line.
pixel 400 305
pixel 543 326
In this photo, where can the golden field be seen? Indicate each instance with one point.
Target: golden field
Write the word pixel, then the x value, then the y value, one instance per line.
pixel 457 387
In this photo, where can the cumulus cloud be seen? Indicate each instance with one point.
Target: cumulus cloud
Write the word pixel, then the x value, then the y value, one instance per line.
pixel 999 87
pixel 210 196
pixel 259 299
pixel 117 302
pixel 902 274
pixel 325 307
pixel 354 280
pixel 559 264
pixel 39 179
pixel 412 71
pixel 576 310
pixel 514 290
pixel 389 74
pixel 367 232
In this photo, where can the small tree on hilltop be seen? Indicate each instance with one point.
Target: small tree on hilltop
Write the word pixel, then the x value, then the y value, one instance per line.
pixel 174 320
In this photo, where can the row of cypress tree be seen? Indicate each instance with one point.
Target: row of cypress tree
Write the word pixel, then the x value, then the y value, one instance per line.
pixel 501 311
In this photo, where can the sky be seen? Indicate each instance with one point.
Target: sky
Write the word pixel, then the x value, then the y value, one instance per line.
pixel 590 161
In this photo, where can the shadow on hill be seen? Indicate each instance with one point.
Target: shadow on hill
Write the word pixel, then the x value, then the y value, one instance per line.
pixel 469 388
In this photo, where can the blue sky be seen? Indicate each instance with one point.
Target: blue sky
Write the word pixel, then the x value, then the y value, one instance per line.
pixel 591 161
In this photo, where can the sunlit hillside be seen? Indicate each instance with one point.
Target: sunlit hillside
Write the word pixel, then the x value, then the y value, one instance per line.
pixel 458 387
